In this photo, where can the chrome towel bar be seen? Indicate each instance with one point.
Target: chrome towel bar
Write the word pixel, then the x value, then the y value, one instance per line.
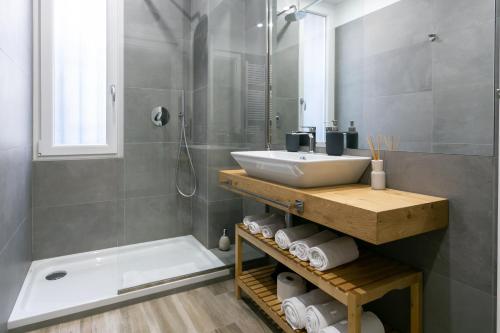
pixel 297 204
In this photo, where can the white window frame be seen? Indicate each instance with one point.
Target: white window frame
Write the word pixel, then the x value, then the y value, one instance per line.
pixel 43 108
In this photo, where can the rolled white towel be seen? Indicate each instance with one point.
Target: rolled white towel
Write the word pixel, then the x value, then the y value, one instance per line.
pixel 287 236
pixel 295 307
pixel 300 248
pixel 322 315
pixel 333 253
pixel 268 231
pixel 250 218
pixel 370 323
pixel 255 226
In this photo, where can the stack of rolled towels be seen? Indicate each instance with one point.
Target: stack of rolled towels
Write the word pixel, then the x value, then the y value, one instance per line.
pixel 265 224
pixel 323 249
pixel 319 313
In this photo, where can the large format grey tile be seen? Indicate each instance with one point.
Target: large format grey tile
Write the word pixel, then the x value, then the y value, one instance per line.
pixel 226 115
pixel 157 20
pixel 223 215
pixel 15 104
pixel 200 116
pixel 150 169
pixel 59 183
pixel 219 158
pixel 153 218
pixel 466 249
pixel 461 58
pixel 409 23
pixel 138 106
pixel 407 116
pixel 464 114
pixel 458 14
pixel 286 72
pixel 403 70
pixel 15 260
pixel 200 162
pixel 66 230
pixel 226 25
pixel 159 65
pixel 15 191
pixel 200 220
pixel 451 306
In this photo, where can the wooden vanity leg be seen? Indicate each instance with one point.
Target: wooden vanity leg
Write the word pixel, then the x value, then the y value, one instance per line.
pixel 416 306
pixel 354 312
pixel 238 264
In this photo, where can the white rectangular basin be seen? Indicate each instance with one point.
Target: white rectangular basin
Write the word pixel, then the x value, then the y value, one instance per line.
pixel 302 169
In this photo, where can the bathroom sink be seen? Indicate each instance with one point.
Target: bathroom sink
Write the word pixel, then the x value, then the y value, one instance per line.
pixel 302 169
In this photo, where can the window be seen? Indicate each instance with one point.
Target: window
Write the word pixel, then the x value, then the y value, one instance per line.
pixel 78 74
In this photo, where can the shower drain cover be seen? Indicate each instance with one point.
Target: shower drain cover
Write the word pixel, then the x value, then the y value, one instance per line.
pixel 56 275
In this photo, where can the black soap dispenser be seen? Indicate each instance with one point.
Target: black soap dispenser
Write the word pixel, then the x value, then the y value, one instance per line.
pixel 352 137
pixel 334 140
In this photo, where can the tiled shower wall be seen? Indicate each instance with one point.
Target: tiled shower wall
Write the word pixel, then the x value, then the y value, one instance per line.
pixel 201 49
pixel 84 205
pixel 15 150
pixel 228 109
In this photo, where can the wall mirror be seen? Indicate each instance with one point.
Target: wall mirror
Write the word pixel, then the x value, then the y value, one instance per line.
pixel 397 68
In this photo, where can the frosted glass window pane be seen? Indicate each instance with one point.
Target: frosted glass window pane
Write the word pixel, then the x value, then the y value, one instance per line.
pixel 80 88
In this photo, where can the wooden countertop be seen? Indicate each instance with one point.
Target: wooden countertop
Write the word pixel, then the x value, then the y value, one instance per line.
pixel 374 216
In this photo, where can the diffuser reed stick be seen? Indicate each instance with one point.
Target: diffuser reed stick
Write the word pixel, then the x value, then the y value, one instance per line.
pixel 375 152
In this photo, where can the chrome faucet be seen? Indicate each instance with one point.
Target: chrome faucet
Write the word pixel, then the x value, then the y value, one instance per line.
pixel 311 132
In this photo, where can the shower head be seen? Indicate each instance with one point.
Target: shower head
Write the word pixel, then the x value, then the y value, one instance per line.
pixel 295 16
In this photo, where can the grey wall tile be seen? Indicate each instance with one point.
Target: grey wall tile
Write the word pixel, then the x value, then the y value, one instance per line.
pixel 285 72
pixel 464 114
pixel 15 260
pixel 138 106
pixel 153 218
pixel 158 65
pixel 410 23
pixel 450 306
pixel 223 215
pixel 404 70
pixel 457 14
pixel 59 183
pixel 15 191
pixel 157 20
pixel 413 111
pixel 72 229
pixel 219 158
pixel 461 58
pixel 200 116
pixel 150 169
pixel 200 163
pixel 225 117
pixel 465 250
pixel 200 220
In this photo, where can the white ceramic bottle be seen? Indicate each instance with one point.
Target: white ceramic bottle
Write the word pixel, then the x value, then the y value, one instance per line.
pixel 224 242
pixel 378 175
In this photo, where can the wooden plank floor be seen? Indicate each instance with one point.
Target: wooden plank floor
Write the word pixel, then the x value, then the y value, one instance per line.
pixel 210 309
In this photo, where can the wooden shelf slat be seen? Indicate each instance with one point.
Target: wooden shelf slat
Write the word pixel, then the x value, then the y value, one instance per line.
pixel 369 273
pixel 268 303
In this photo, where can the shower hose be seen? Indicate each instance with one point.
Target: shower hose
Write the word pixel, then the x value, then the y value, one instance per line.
pixel 183 140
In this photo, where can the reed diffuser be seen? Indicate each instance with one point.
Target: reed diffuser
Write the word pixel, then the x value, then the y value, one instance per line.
pixel 378 173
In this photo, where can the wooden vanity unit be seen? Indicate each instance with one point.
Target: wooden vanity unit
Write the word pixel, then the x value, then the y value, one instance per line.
pixel 376 217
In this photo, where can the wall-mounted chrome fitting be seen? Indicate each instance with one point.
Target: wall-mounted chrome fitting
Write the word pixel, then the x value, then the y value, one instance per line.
pixel 160 116
pixel 432 37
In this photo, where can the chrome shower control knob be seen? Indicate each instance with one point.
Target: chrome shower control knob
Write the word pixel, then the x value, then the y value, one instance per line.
pixel 160 116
